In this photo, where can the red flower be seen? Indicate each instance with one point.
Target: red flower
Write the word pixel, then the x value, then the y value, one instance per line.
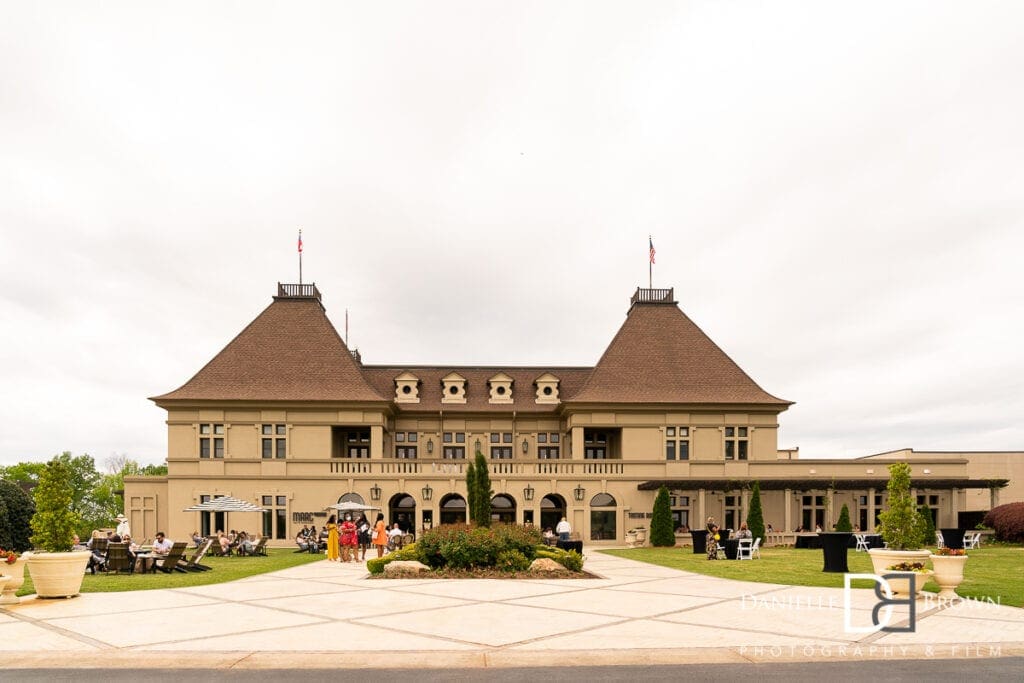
pixel 8 556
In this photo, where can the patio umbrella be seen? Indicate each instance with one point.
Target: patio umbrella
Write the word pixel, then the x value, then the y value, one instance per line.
pixel 225 504
pixel 349 506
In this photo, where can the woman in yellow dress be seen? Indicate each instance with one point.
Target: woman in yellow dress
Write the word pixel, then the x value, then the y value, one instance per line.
pixel 332 539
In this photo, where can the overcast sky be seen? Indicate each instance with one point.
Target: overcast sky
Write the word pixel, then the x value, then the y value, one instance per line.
pixel 835 190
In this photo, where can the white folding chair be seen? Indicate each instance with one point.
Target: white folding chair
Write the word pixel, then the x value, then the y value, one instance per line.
pixel 940 541
pixel 755 550
pixel 972 540
pixel 720 552
pixel 744 551
pixel 862 543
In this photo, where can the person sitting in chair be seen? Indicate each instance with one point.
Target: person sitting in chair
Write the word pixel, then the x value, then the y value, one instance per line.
pixel 744 532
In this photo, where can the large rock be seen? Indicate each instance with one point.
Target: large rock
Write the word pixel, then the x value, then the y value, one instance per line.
pixel 405 568
pixel 545 564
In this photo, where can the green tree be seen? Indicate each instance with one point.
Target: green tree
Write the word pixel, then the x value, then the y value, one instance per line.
pixel 755 515
pixel 928 524
pixel 844 520
pixel 662 533
pixel 482 512
pixel 471 505
pixel 900 524
pixel 16 510
pixel 25 474
pixel 55 520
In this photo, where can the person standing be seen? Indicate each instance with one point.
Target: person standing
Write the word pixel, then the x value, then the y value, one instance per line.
pixel 348 539
pixel 563 530
pixel 380 534
pixel 363 529
pixel 713 539
pixel 123 528
pixel 332 539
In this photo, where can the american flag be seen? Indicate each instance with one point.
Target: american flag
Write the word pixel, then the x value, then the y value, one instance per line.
pixel 300 244
pixel 649 240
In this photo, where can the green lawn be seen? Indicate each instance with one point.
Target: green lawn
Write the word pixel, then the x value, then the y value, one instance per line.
pixel 996 572
pixel 222 569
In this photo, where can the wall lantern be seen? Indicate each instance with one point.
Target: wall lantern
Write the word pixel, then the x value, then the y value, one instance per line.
pixel 528 493
pixel 579 492
pixel 375 492
pixel 526 446
pixel 427 492
pixel 430 445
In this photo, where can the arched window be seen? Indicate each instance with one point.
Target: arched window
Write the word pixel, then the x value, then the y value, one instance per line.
pixel 503 509
pixel 552 509
pixel 453 509
pixel 602 518
pixel 352 498
pixel 402 509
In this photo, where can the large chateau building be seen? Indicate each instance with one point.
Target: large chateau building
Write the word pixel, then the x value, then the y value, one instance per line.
pixel 289 418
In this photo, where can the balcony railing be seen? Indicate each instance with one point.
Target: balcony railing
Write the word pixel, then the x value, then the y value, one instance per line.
pixel 653 296
pixel 496 468
pixel 292 291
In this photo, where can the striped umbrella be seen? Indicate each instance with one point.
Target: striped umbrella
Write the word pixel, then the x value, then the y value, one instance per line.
pixel 225 504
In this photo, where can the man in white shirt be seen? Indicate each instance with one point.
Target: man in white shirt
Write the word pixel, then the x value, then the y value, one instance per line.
pixel 161 548
pixel 395 537
pixel 563 530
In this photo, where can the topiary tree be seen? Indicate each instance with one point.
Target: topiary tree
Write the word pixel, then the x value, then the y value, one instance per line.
pixel 54 521
pixel 16 518
pixel 478 488
pixel 928 524
pixel 662 533
pixel 900 524
pixel 844 520
pixel 755 515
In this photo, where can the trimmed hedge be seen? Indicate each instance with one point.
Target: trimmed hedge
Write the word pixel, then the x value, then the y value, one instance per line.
pixel 1008 521
pixel 570 559
pixel 377 564
pixel 465 547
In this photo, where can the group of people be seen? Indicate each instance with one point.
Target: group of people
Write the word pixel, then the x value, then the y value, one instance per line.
pixel 714 536
pixel 160 548
pixel 349 540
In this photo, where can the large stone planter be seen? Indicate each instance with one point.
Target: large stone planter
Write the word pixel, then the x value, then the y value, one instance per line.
pixel 58 575
pixel 17 573
pixel 949 573
pixel 883 557
pixel 901 584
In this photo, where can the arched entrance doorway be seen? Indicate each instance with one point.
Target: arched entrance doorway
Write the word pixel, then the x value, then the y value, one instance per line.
pixel 503 509
pixel 602 518
pixel 552 509
pixel 453 509
pixel 402 509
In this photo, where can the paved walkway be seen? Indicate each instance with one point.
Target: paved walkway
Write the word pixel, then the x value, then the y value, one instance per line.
pixel 329 615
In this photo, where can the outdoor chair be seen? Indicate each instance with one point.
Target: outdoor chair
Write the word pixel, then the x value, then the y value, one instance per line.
pixel 972 540
pixel 940 542
pixel 755 550
pixel 261 547
pixel 118 559
pixel 862 542
pixel 745 549
pixel 169 563
pixel 192 564
pixel 407 539
pixel 720 552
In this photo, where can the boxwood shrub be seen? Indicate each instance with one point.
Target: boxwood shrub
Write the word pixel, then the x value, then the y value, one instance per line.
pixel 377 564
pixel 466 547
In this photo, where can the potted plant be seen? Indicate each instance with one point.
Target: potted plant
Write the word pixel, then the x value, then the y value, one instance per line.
pixel 57 572
pixel 901 525
pixel 949 570
pixel 12 567
pixel 901 584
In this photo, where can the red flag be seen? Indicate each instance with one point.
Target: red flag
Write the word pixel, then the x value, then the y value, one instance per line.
pixel 649 240
pixel 300 241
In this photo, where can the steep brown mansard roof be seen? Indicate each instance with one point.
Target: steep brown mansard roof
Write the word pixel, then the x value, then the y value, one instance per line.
pixel 290 352
pixel 660 356
pixel 478 394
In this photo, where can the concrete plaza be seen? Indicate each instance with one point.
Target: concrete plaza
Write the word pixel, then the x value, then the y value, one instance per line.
pixel 330 615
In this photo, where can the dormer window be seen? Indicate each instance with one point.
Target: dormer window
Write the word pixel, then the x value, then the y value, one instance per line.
pixel 547 388
pixel 453 388
pixel 501 388
pixel 407 388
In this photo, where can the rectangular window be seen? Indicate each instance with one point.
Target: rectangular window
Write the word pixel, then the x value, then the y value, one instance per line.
pixel 555 438
pixel 670 431
pixel 495 438
pixel 736 443
pixel 670 450
pixel 270 447
pixel 506 437
pixel 405 452
pixel 447 437
pixel 211 446
pixel 542 438
pixel 399 437
pixel 501 452
pixel 454 452
pixel 357 444
pixel 677 443
pixel 548 453
pixel 275 517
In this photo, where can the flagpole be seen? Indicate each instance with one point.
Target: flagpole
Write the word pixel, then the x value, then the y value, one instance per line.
pixel 300 256
pixel 650 265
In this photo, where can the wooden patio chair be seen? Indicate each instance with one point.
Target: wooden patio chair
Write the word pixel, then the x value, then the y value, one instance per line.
pixel 261 547
pixel 169 563
pixel 192 564
pixel 118 559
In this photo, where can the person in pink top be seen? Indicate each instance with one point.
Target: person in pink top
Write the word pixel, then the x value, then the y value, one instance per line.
pixel 348 539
